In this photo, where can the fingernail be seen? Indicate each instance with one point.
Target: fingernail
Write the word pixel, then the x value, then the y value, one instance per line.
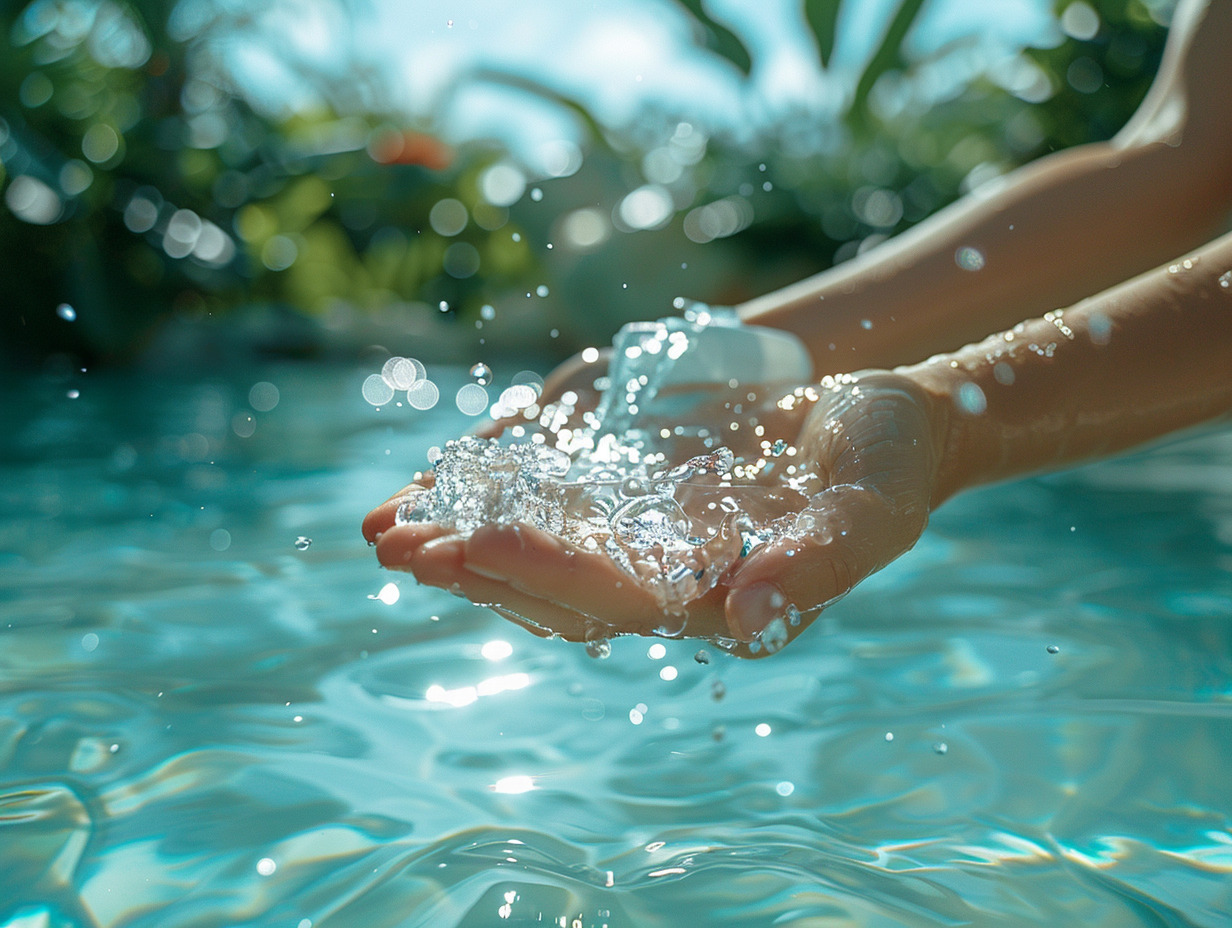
pixel 751 609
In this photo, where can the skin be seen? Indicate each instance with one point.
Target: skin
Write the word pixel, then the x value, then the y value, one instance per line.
pixel 1143 349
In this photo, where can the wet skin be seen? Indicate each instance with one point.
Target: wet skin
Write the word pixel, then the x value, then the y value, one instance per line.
pixel 864 446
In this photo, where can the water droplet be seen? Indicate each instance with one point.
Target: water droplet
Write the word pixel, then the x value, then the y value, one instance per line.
pixel 303 543
pixel 599 648
pixel 774 636
pixel 940 747
pixel 634 486
pixel 482 374
pixel 66 312
pixel 1054 649
pixel 702 657
pixel 969 259
pixel 970 399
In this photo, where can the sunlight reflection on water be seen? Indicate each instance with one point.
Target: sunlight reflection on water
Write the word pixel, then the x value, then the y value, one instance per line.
pixel 195 736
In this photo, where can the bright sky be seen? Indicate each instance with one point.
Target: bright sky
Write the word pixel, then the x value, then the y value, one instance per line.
pixel 615 55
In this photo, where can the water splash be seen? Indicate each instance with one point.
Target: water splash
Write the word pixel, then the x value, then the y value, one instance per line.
pixel 610 487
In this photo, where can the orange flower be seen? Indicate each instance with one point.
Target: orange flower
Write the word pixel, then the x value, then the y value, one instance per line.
pixel 406 147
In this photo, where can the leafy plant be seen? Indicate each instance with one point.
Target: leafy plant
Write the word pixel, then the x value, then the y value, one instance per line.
pixel 140 184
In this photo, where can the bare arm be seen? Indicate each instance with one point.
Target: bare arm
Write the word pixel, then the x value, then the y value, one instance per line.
pixel 1136 362
pixel 1051 233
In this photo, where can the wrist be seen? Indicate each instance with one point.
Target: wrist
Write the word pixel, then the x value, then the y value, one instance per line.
pixel 951 402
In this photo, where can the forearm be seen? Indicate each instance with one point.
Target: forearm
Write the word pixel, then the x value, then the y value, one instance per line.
pixel 1136 362
pixel 1049 235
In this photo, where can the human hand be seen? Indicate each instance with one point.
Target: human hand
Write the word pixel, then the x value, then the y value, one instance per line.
pixel 866 456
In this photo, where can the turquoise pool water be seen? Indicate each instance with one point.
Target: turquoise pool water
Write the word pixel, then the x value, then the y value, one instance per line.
pixel 203 725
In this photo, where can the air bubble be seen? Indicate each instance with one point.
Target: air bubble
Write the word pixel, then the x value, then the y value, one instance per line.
pixel 472 399
pixel 423 394
pixel 1225 279
pixel 303 543
pixel 263 396
pixel 376 391
pixel 401 373
pixel 482 374
pixel 940 747
pixel 542 290
pixel 66 312
pixel 702 657
pixel 1053 649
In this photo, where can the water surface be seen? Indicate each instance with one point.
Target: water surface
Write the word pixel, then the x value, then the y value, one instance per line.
pixel 203 725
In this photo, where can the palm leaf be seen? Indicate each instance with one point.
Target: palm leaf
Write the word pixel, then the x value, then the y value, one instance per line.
pixel 887 57
pixel 822 19
pixel 719 39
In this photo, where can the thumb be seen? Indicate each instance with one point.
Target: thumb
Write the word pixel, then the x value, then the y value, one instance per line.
pixel 846 533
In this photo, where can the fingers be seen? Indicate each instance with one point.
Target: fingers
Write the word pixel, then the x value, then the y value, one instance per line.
pixel 397 546
pixel 545 568
pixel 382 518
pixel 442 562
pixel 539 580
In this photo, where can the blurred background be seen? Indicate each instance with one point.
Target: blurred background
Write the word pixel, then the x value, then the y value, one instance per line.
pixel 187 181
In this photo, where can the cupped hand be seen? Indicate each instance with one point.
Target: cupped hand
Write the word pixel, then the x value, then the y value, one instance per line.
pixel 864 453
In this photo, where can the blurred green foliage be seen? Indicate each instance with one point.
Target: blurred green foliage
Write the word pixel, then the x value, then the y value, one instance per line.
pixel 140 185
